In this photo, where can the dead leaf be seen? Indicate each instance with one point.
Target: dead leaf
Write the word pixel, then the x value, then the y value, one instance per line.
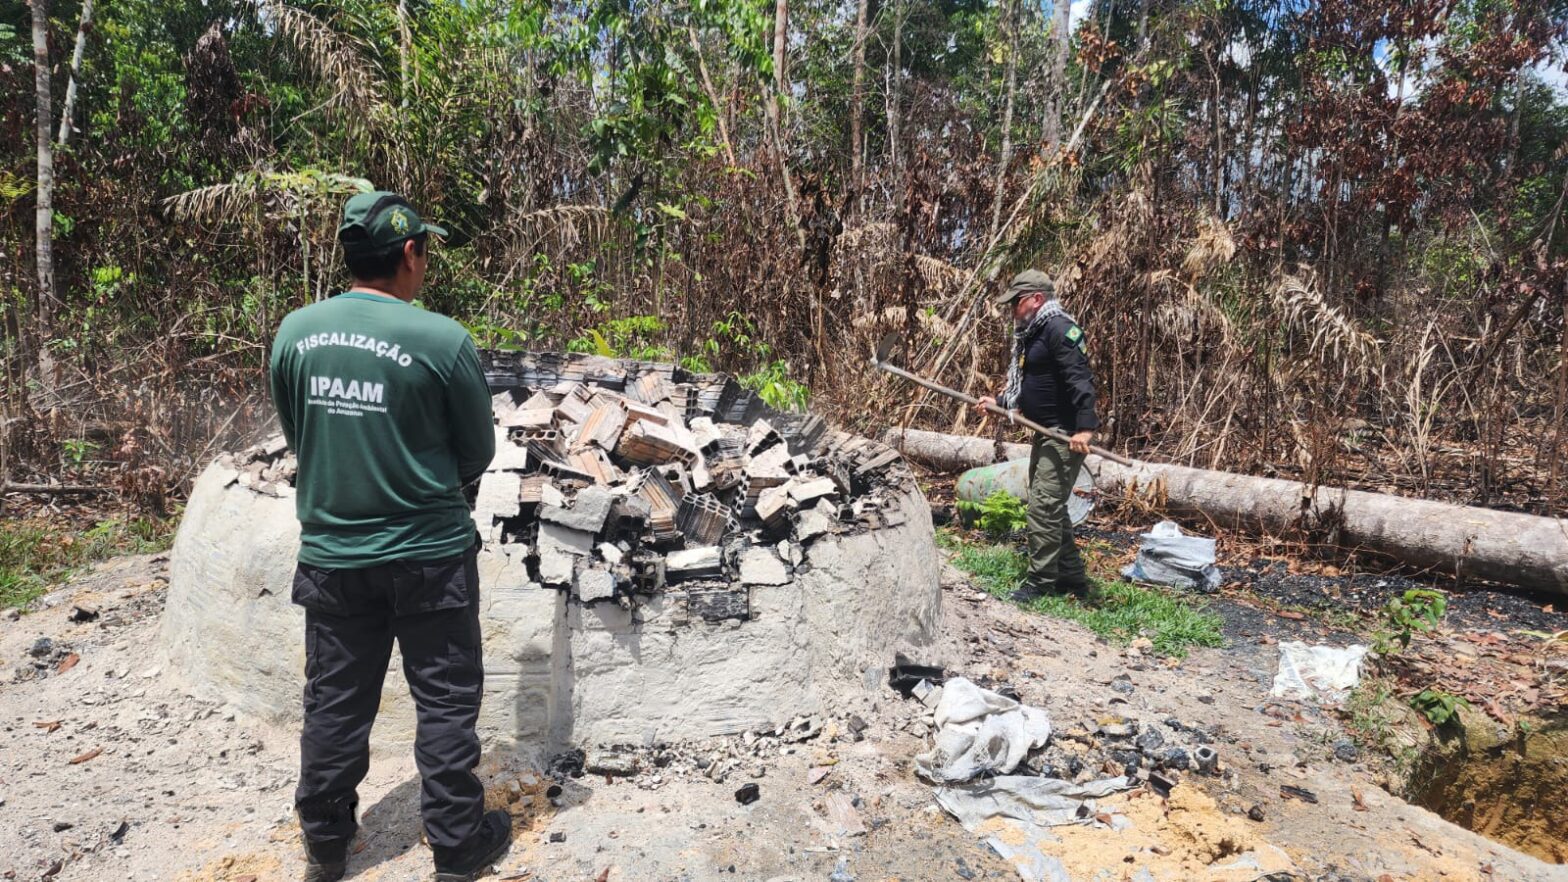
pixel 604 877
pixel 363 844
pixel 67 663
pixel 78 760
pixel 49 726
pixel 248 877
pixel 1290 614
pixel 1103 818
pixel 1358 800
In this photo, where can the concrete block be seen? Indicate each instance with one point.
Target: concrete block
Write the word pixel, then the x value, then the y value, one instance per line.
pixel 509 457
pixel 694 563
pixel 805 492
pixel 558 548
pixel 498 494
pixel 595 585
pixel 816 521
pixel 760 566
pixel 587 514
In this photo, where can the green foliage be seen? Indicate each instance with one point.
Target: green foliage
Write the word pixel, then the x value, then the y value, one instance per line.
pixel 773 385
pixel 77 450
pixel 1417 610
pixel 631 337
pixel 1116 611
pixel 1000 515
pixel 1438 706
pixel 36 555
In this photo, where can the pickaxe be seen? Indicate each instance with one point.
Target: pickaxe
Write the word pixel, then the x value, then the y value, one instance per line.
pixel 885 348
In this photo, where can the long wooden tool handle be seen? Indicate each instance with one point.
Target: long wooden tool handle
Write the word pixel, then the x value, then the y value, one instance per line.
pixel 999 411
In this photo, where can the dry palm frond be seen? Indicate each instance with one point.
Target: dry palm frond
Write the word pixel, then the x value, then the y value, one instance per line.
pixel 224 203
pixel 858 237
pixel 334 57
pixel 1194 315
pixel 215 203
pixel 1332 334
pixel 893 317
pixel 1212 248
pixel 939 275
pixel 564 224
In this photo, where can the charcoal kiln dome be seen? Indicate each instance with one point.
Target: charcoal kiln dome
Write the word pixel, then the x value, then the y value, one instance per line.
pixel 665 557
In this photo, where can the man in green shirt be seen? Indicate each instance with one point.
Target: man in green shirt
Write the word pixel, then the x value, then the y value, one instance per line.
pixel 387 410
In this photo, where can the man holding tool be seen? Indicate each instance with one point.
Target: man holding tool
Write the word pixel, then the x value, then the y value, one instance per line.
pixel 1049 381
pixel 388 412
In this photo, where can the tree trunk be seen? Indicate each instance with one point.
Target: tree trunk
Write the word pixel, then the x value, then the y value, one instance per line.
pixel 857 103
pixel 44 223
pixel 1515 549
pixel 1062 37
pixel 1010 25
pixel 76 67
pixel 895 85
pixel 781 50
pixel 713 95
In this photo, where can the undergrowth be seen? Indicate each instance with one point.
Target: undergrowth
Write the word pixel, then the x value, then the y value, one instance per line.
pixel 1115 611
pixel 36 555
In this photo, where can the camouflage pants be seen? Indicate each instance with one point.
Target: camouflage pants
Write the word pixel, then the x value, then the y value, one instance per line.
pixel 1054 562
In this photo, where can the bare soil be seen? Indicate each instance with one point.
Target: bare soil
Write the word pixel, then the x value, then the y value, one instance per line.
pixel 109 771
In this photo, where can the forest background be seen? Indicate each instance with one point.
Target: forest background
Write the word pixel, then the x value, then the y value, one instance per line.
pixel 1321 239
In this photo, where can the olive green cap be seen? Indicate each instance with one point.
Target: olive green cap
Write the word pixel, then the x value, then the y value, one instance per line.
pixel 1027 282
pixel 379 219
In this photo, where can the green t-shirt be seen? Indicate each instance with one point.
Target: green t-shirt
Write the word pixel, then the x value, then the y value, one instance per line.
pixel 387 410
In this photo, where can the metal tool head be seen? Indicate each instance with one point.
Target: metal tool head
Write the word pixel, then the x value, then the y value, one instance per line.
pixel 885 348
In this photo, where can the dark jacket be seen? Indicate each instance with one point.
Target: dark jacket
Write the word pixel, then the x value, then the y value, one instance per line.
pixel 1058 388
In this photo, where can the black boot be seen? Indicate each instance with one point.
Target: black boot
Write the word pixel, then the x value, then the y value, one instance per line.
pixel 473 858
pixel 325 860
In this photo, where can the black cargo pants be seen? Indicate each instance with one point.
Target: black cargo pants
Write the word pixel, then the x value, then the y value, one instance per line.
pixel 431 608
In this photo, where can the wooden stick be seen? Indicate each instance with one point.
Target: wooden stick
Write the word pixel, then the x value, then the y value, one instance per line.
pixel 53 489
pixel 999 411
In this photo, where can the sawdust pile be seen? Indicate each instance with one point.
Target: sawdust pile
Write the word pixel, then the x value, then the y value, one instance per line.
pixel 1185 838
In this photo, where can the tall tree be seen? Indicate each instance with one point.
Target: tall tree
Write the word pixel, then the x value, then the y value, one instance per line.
pixel 1061 38
pixel 45 219
pixel 76 69
pixel 857 104
pixel 1010 28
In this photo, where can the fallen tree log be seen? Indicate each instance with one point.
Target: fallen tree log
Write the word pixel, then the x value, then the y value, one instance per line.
pixel 1515 549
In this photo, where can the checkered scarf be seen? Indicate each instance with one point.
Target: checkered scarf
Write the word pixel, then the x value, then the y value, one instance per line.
pixel 1023 335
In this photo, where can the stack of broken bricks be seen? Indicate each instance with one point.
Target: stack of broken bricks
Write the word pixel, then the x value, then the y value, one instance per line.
pixel 614 479
pixel 265 468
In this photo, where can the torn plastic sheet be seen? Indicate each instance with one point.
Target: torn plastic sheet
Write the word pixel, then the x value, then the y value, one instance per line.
pixel 1167 556
pixel 1014 813
pixel 980 732
pixel 1322 673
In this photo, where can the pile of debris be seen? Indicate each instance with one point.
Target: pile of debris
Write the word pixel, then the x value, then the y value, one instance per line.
pixel 614 479
pixel 266 468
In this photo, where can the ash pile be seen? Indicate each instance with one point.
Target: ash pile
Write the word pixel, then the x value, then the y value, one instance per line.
pixel 618 479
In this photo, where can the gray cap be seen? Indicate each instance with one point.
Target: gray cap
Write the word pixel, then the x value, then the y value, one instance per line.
pixel 1027 282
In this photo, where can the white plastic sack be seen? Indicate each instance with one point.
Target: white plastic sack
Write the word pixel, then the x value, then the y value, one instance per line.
pixel 1322 673
pixel 980 732
pixel 1166 556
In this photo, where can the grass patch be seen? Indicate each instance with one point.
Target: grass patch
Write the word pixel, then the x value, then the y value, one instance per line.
pixel 1116 611
pixel 36 555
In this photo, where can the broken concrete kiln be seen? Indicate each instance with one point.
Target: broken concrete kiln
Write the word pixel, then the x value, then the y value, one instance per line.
pixel 665 557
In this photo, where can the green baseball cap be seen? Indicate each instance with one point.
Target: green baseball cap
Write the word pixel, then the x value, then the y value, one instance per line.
pixel 1027 282
pixel 376 220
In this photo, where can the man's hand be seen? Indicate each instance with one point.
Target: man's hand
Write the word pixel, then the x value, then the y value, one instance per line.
pixel 980 406
pixel 1079 443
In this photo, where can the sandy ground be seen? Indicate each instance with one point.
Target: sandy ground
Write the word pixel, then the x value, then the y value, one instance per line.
pixel 108 771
